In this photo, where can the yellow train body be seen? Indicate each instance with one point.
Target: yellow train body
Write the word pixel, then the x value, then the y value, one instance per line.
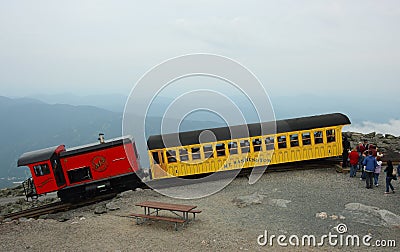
pixel 247 152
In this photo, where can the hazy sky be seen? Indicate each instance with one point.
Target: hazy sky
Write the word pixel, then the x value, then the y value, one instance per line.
pixel 86 47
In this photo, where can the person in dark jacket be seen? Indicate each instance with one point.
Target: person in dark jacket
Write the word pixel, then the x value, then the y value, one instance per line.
pixel 369 166
pixel 389 176
pixel 345 154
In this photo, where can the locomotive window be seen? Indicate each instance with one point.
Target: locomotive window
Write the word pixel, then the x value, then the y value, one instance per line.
pixel 79 174
pixel 156 159
pixel 281 142
pixel 171 156
pixel 245 146
pixel 42 169
pixel 306 136
pixel 294 140
pixel 257 144
pixel 196 153
pixel 208 151
pixel 318 137
pixel 330 136
pixel 269 142
pixel 232 146
pixel 183 153
pixel 220 148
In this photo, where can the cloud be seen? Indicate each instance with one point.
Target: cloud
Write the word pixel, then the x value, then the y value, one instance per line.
pixel 391 127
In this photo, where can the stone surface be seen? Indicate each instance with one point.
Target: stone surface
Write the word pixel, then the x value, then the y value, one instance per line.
pixel 112 206
pixel 247 200
pixel 100 209
pixel 373 215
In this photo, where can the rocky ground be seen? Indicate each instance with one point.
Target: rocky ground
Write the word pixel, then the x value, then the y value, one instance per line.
pixel 294 203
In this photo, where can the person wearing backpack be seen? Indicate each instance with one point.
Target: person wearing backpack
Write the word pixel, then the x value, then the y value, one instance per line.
pixel 369 166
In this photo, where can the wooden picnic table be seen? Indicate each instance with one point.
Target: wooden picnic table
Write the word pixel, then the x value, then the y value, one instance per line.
pixel 151 207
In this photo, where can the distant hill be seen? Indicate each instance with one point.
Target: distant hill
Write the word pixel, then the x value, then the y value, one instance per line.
pixel 29 124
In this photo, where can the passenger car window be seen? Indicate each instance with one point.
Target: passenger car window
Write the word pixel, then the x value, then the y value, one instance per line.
pixel 281 142
pixel 232 146
pixel 318 137
pixel 208 151
pixel 269 143
pixel 257 144
pixel 294 140
pixel 306 137
pixel 330 136
pixel 220 148
pixel 245 146
pixel 183 154
pixel 171 156
pixel 196 153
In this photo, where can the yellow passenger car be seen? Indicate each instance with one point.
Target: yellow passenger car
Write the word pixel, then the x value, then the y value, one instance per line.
pixel 246 146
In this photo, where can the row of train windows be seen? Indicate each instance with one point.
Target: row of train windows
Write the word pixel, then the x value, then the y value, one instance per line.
pixel 244 146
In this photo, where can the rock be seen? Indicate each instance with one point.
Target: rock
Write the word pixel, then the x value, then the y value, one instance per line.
pixel 278 202
pixel 379 136
pixel 389 136
pixel 138 189
pixel 43 216
pixel 370 135
pixel 23 219
pixel 243 201
pixel 389 217
pixel 100 209
pixel 63 217
pixel 386 218
pixel 321 215
pixel 112 206
pixel 127 194
pixel 334 217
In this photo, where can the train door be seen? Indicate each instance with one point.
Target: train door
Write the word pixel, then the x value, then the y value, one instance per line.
pixel 43 177
pixel 58 171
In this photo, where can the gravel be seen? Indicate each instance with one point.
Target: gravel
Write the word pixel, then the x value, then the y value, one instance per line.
pixel 283 203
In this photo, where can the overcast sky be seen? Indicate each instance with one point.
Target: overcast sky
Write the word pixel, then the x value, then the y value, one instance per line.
pixel 99 47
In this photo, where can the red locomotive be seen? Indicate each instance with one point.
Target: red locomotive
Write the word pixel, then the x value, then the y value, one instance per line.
pixel 83 171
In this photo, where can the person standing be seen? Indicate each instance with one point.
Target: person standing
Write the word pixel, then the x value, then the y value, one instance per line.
pixel 389 176
pixel 345 154
pixel 369 165
pixel 360 150
pixel 363 157
pixel 353 156
pixel 377 170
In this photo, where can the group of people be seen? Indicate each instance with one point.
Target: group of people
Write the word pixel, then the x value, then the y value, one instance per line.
pixel 366 158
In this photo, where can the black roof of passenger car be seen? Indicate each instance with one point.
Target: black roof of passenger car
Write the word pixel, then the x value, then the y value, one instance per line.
pixel 246 130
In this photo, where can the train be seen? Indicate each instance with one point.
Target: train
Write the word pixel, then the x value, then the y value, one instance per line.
pixel 113 165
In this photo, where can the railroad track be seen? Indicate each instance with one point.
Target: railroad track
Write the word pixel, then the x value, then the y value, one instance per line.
pixel 55 207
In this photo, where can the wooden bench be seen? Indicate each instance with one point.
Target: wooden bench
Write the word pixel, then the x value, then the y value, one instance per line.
pixel 155 217
pixel 194 212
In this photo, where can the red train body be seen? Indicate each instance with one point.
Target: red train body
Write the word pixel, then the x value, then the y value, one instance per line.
pixel 83 171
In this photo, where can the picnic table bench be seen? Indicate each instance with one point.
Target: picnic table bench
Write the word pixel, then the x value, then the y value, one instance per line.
pixel 151 207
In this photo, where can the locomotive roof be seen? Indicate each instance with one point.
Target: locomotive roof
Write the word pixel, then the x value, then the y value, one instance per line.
pixel 95 146
pixel 45 154
pixel 246 130
pixel 36 156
